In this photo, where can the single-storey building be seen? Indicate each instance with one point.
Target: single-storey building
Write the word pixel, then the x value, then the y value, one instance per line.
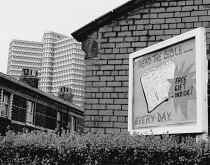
pixel 23 106
pixel 108 41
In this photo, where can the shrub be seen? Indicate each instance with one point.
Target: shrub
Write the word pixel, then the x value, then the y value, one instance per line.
pixel 100 149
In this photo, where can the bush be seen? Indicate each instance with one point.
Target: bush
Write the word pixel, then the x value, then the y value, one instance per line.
pixel 100 149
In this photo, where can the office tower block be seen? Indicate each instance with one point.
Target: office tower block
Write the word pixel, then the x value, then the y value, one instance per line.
pixel 60 63
pixel 48 57
pixel 23 54
pixel 69 68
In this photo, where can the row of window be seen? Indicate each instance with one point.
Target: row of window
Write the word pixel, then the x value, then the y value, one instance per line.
pixel 68 57
pixel 26 63
pixel 6 104
pixel 26 44
pixel 59 76
pixel 46 79
pixel 81 62
pixel 45 45
pixel 68 51
pixel 14 73
pixel 66 42
pixel 78 99
pixel 77 93
pixel 31 56
pixel 62 81
pixel 49 40
pixel 69 80
pixel 48 55
pixel 43 70
pixel 19 68
pixel 65 46
pixel 48 50
pixel 47 64
pixel 45 74
pixel 26 53
pixel 68 67
pixel 76 90
pixel 26 49
pixel 79 87
pixel 51 35
pixel 66 74
pixel 47 59
pixel 61 61
pixel 58 84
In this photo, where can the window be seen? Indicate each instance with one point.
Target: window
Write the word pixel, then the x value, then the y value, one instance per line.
pixel 30 112
pixel 73 123
pixel 58 120
pixel 5 104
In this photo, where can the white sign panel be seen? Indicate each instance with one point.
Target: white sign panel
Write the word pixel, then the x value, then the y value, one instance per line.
pixel 168 86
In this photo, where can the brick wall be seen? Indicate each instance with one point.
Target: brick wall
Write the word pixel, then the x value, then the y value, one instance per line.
pixel 106 104
pixel 45 112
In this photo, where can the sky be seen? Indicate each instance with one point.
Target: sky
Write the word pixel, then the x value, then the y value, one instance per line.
pixel 29 19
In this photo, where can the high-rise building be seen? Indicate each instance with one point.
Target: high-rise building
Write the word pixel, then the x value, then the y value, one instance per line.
pixel 59 60
pixel 24 54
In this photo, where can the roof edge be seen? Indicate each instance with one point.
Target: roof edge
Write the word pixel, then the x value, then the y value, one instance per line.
pixel 116 13
pixel 45 94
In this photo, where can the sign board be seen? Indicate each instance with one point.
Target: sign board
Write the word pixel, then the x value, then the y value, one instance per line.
pixel 168 86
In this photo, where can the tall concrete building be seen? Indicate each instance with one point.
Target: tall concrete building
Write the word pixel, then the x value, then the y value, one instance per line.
pixel 59 60
pixel 24 54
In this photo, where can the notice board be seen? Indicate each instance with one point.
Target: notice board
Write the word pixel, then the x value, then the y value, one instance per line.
pixel 168 86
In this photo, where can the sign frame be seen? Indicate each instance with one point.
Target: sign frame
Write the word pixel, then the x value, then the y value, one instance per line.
pixel 201 62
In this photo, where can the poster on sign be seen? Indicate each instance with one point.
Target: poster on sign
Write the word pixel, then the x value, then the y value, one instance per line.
pixel 168 86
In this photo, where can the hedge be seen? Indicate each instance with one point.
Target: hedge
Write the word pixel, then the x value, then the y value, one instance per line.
pixel 101 149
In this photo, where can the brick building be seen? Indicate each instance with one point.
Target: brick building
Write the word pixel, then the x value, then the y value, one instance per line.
pixel 58 59
pixel 25 107
pixel 108 41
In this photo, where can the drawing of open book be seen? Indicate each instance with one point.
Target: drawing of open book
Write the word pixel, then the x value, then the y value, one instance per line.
pixel 155 84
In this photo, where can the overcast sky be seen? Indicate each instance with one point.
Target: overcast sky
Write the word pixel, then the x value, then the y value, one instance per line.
pixel 29 19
